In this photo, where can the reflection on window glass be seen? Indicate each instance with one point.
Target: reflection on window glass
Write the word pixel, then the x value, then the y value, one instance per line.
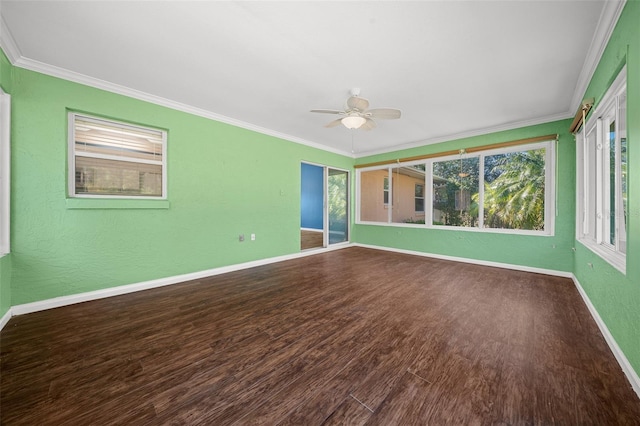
pixel 455 192
pixel 514 190
pixel 404 180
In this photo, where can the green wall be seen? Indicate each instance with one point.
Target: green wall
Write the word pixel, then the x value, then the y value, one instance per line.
pixel 616 296
pixel 222 181
pixel 547 252
pixel 5 261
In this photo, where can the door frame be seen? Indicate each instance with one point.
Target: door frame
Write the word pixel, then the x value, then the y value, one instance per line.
pixel 325 201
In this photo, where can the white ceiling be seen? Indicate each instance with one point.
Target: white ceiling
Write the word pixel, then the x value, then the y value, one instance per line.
pixel 454 68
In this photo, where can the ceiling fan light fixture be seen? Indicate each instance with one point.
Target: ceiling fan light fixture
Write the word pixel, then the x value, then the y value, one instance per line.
pixel 353 121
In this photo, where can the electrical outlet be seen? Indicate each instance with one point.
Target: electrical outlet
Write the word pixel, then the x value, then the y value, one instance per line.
pixel 241 238
pixel 253 237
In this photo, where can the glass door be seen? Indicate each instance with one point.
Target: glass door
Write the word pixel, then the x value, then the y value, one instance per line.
pixel 337 206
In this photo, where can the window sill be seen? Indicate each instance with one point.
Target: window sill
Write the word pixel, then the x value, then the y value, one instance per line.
pixel 614 259
pixel 461 228
pixel 94 203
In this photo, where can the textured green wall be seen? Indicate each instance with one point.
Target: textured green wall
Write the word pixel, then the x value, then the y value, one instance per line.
pixel 617 296
pixel 222 181
pixel 5 261
pixel 5 284
pixel 548 252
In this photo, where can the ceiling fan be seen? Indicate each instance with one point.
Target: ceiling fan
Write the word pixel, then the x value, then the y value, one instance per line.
pixel 356 114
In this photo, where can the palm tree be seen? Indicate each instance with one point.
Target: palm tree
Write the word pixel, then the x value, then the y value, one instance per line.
pixel 514 199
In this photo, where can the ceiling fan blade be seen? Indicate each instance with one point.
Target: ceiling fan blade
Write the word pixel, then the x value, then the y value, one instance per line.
pixel 356 102
pixel 334 123
pixel 383 113
pixel 368 125
pixel 328 111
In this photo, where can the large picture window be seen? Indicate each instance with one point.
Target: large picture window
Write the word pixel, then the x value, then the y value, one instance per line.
pixel 602 177
pixel 108 159
pixel 508 189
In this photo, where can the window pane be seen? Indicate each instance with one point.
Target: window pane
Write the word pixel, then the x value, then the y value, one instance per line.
pixel 404 180
pixel 622 130
pixel 590 176
pixel 373 196
pixel 612 183
pixel 385 189
pixel 514 190
pixel 419 200
pixel 455 192
pixel 104 138
pixel 98 176
pixel 337 188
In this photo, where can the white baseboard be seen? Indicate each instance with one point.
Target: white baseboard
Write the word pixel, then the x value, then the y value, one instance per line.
pixel 146 285
pixel 628 370
pixel 553 272
pixel 5 318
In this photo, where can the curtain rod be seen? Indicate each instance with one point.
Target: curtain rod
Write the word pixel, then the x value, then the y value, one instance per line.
pixel 466 150
pixel 582 112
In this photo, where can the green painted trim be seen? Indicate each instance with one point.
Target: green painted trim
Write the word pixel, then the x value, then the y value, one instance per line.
pixel 104 203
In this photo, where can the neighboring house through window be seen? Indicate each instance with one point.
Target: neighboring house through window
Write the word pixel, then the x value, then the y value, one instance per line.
pixel 505 189
pixel 110 159
pixel 419 198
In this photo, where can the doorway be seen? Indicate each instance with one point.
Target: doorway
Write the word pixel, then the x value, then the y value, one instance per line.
pixel 324 206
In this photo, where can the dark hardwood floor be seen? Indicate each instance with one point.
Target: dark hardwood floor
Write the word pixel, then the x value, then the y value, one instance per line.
pixel 353 336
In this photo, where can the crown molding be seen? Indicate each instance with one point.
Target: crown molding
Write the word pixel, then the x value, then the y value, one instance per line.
pixel 477 132
pixel 8 43
pixel 16 58
pixel 609 16
pixel 611 11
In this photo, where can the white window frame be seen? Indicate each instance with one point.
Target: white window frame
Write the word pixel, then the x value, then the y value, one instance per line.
pixel 549 207
pixel 5 172
pixel 592 186
pixel 73 154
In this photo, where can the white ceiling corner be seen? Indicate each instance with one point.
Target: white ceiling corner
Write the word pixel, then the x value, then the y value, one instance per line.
pixel 455 69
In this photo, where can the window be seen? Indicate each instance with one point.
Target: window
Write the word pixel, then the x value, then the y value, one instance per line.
pixel 115 160
pixel 385 190
pixel 508 189
pixel 455 182
pixel 419 198
pixel 602 177
pixel 5 164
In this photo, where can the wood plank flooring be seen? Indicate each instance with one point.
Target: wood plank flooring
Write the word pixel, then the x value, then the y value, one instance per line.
pixel 354 336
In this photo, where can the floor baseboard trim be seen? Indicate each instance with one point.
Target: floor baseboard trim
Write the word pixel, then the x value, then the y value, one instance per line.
pixel 5 318
pixel 628 370
pixel 553 272
pixel 57 302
